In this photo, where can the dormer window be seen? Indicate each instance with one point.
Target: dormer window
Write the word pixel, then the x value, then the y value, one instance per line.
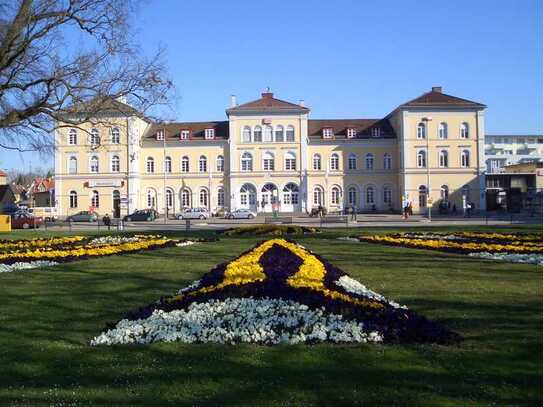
pixel 210 134
pixel 376 132
pixel 351 133
pixel 327 132
pixel 184 135
pixel 159 135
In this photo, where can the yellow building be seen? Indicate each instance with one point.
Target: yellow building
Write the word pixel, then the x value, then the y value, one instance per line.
pixel 269 154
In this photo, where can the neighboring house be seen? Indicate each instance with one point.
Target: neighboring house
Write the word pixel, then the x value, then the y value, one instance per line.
pixel 19 191
pixel 269 155
pixel 42 192
pixel 503 150
pixel 6 196
pixel 3 178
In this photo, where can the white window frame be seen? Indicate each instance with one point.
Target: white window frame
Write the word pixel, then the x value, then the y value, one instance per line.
pixel 370 161
pixel 73 199
pixel 334 162
pixel 246 161
pixel 94 164
pixel 168 165
pixel 115 163
pixel 202 163
pixel 220 163
pixel 421 162
pixel 351 162
pixel 150 165
pixel 421 131
pixel 72 137
pixel 290 161
pixel 185 164
pixel 290 135
pixel 209 134
pixel 317 162
pixel 327 132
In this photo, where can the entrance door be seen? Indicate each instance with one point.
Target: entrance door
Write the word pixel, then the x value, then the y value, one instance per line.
pixel 247 197
pixel 269 197
pixel 290 202
pixel 116 204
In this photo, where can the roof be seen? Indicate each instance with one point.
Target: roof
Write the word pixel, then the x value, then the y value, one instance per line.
pixel 436 97
pixel 363 127
pixel 6 190
pixel 3 174
pixel 267 103
pixel 197 130
pixel 48 185
pixel 104 104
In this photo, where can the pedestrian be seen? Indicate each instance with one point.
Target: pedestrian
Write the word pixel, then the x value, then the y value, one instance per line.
pixel 106 220
pixel 410 208
pixel 454 209
pixel 353 213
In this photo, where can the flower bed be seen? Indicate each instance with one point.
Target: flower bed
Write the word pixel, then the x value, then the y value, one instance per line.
pixel 277 292
pixel 273 230
pixel 25 254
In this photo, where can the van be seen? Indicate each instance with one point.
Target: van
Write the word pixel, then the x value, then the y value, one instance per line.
pixel 47 213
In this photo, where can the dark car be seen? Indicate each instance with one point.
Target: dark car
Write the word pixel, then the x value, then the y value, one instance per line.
pixel 146 215
pixel 83 216
pixel 25 220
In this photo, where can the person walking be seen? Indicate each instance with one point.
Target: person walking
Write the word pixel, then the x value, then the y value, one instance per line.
pixel 107 221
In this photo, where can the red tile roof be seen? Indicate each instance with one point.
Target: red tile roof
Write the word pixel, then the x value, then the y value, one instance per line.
pixel 172 130
pixel 267 103
pixel 363 127
pixel 437 98
pixel 48 185
pixel 3 174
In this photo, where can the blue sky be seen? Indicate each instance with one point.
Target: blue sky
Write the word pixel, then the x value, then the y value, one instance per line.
pixel 348 58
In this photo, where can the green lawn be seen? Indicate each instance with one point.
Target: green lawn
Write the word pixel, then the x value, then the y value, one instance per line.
pixel 49 316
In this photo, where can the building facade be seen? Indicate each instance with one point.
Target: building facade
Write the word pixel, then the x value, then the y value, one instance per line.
pixel 269 154
pixel 502 150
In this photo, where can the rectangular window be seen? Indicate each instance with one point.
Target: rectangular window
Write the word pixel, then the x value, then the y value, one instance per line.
pixel 351 133
pixel 160 135
pixel 269 164
pixel 220 197
pixel 290 164
pixel 376 132
pixel 184 135
pixel 327 132
pixel 210 134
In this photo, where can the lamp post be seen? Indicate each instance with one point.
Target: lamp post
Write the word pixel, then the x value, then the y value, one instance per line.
pixel 429 201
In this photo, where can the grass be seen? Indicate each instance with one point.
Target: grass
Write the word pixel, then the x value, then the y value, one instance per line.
pixel 48 318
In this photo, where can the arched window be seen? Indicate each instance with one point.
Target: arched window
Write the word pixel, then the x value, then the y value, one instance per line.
pixel 464 159
pixel 370 195
pixel 246 162
pixel 421 159
pixel 369 161
pixel 268 163
pixel 185 164
pixel 72 137
pixel 115 136
pixel 387 195
pixel 95 137
pixel 387 161
pixel 204 198
pixel 268 134
pixel 115 163
pixel 246 134
pixel 318 195
pixel 351 196
pixel 220 163
pixel 445 192
pixel 464 130
pixel 202 164
pixel 169 198
pixel 95 199
pixel 290 161
pixel 317 162
pixel 247 195
pixel 334 162
pixel 258 134
pixel 220 196
pixel 72 165
pixel 94 164
pixel 421 131
pixel 290 194
pixel 422 196
pixel 442 130
pixel 335 196
pixel 168 164
pixel 269 194
pixel 279 134
pixel 151 198
pixel 73 199
pixel 352 162
pixel 443 158
pixel 150 165
pixel 290 133
pixel 185 198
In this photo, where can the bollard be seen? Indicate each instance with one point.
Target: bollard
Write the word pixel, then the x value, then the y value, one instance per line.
pixel 187 224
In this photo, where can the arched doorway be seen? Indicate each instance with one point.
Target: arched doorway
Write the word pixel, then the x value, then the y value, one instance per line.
pixel 269 197
pixel 247 197
pixel 116 204
pixel 291 200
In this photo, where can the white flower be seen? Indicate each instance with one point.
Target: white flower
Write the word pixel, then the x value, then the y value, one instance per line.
pixel 7 268
pixel 529 258
pixel 356 287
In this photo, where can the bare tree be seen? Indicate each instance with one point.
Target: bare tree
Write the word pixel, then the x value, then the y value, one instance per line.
pixel 69 61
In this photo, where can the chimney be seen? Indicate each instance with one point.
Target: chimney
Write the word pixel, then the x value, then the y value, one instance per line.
pixel 437 89
pixel 302 103
pixel 233 102
pixel 267 95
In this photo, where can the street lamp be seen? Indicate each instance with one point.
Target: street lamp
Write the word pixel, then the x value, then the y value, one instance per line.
pixel 427 121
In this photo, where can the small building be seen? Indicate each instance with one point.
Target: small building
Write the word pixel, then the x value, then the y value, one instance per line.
pixel 504 150
pixel 518 187
pixel 42 192
pixel 3 178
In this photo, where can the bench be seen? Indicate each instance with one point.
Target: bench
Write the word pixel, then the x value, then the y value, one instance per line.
pixel 335 219
pixel 278 219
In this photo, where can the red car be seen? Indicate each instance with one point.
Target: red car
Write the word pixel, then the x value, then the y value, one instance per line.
pixel 25 220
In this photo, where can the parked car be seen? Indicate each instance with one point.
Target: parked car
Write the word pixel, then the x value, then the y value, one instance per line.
pixel 45 212
pixel 142 215
pixel 11 209
pixel 83 216
pixel 241 214
pixel 25 220
pixel 194 213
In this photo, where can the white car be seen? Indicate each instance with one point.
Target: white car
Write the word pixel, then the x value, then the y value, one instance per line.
pixel 241 214
pixel 194 213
